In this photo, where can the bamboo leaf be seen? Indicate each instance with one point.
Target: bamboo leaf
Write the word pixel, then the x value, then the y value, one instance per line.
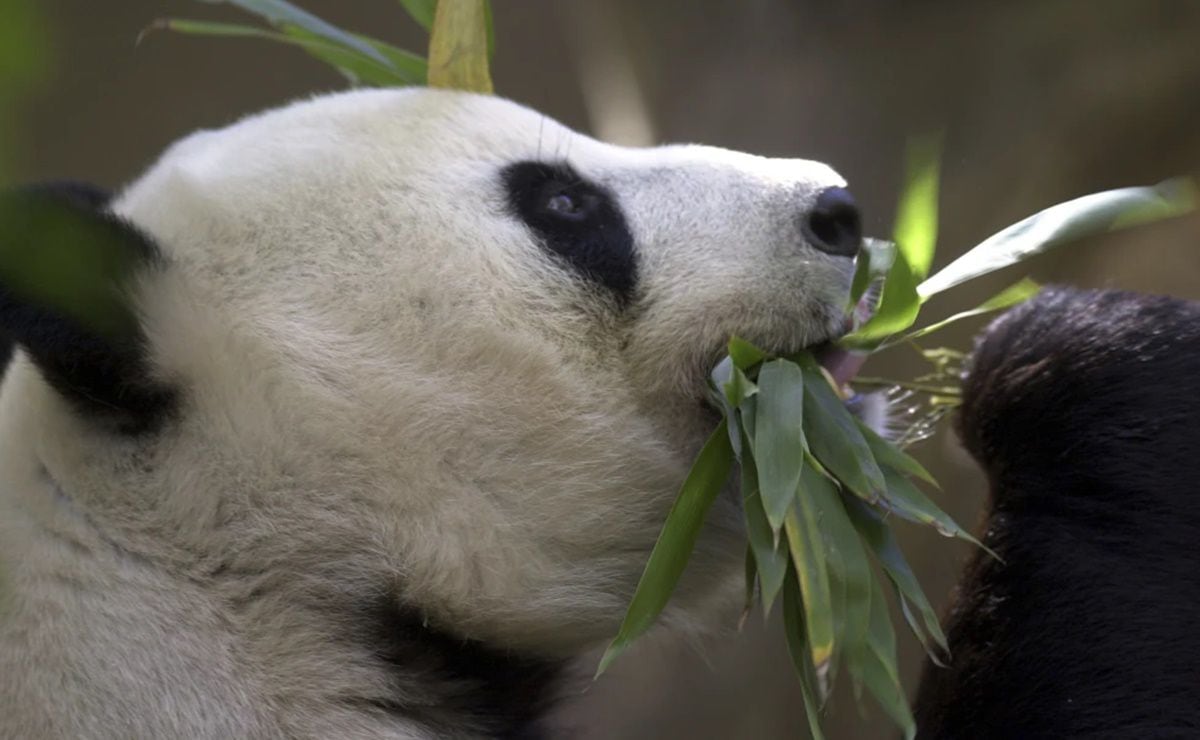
pixel 1016 293
pixel 794 629
pixel 872 265
pixel 358 68
pixel 1086 216
pixel 279 13
pixel 888 455
pixel 882 543
pixel 833 435
pixel 876 667
pixel 779 437
pixel 916 226
pixel 421 11
pixel 909 502
pixel 806 544
pixel 744 354
pixel 847 566
pixel 735 389
pixel 458 46
pixel 897 310
pixel 675 543
pixel 406 67
pixel 68 259
pixel 769 550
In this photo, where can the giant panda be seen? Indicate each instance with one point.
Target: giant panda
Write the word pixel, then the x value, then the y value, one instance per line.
pixel 1083 408
pixel 365 416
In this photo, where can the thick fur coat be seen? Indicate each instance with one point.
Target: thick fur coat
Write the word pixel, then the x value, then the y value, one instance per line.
pixel 1084 409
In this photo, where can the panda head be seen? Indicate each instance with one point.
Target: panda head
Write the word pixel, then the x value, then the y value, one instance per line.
pixel 423 344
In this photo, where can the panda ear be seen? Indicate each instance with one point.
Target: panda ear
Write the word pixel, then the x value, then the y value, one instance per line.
pixel 66 267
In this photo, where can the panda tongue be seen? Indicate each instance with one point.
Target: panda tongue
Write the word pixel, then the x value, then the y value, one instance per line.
pixel 843 364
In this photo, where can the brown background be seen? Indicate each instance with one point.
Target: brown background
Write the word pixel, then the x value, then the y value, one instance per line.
pixel 1041 100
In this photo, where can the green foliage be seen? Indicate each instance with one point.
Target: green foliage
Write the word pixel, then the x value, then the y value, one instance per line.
pixel 1018 292
pixel 421 11
pixel 674 546
pixel 461 42
pixel 280 14
pixel 63 258
pixel 23 58
pixel 1066 222
pixel 777 435
pixel 915 235
pixel 833 499
pixel 398 68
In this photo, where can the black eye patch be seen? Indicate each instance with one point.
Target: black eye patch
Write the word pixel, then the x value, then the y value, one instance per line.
pixel 576 221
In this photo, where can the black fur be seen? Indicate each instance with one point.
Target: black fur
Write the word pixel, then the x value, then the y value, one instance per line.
pixel 592 238
pixel 1084 409
pixel 501 694
pixel 64 266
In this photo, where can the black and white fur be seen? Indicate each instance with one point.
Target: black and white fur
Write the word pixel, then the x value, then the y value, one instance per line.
pixel 1084 409
pixel 400 387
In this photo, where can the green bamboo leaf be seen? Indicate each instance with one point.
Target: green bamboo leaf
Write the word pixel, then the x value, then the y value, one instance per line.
pixel 882 543
pixel 734 390
pixel 280 13
pixel 876 667
pixel 916 226
pixel 744 354
pixel 769 550
pixel 833 435
pixel 748 414
pixel 68 259
pixel 207 28
pixel 779 437
pixel 850 574
pixel 888 455
pixel 873 263
pixel 794 630
pixel 675 543
pixel 915 235
pixel 358 68
pixel 458 46
pixel 738 387
pixel 406 67
pixel 908 502
pixel 835 570
pixel 805 541
pixel 421 11
pixel 897 310
pixel 1018 292
pixel 1086 216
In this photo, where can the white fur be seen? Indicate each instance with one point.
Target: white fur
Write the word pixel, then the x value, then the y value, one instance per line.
pixel 387 382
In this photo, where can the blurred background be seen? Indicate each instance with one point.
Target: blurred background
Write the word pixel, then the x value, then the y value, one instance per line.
pixel 1040 101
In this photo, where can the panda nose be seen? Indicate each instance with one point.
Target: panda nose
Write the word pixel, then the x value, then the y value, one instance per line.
pixel 834 225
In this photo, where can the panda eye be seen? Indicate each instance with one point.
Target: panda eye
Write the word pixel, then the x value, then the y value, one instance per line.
pixel 562 204
pixel 577 222
pixel 574 207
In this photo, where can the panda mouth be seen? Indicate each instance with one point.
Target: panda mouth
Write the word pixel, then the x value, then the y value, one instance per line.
pixel 843 364
pixel 840 363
